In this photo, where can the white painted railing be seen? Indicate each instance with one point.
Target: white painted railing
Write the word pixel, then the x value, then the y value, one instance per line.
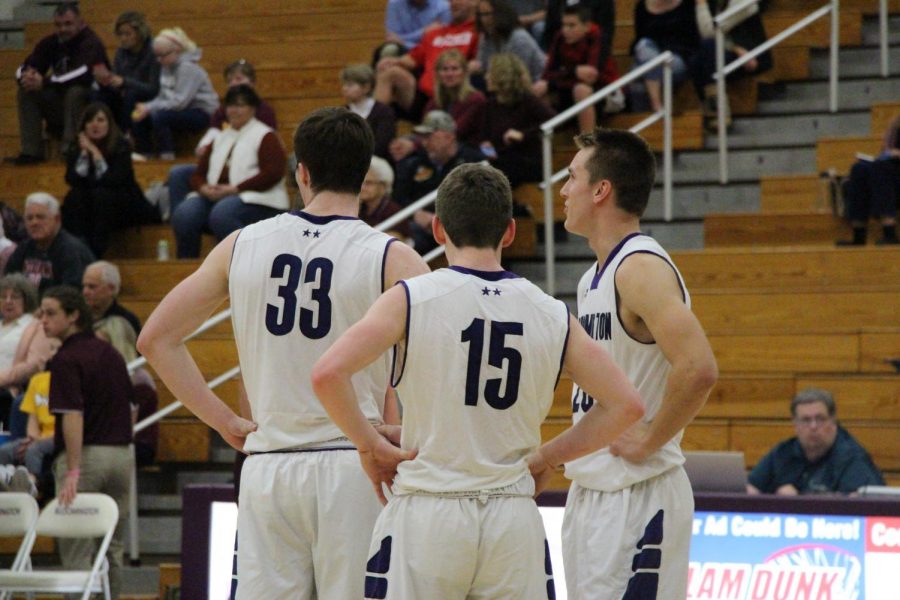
pixel 726 21
pixel 664 60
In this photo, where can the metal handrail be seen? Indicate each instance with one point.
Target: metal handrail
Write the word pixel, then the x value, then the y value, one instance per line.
pixel 664 60
pixel 726 21
pixel 883 34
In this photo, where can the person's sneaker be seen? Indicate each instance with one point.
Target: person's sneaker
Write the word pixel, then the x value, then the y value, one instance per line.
pixel 21 482
pixel 24 159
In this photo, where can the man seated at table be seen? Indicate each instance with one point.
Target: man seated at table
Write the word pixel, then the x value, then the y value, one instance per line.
pixel 823 458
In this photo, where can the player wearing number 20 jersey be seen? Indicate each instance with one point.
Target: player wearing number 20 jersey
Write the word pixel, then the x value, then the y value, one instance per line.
pixel 296 283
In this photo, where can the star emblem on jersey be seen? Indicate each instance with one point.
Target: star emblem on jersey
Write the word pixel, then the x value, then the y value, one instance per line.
pixel 485 292
pixel 306 232
pixel 316 233
pixel 310 232
pixel 496 291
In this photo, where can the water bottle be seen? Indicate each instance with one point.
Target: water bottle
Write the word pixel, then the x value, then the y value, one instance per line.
pixel 162 250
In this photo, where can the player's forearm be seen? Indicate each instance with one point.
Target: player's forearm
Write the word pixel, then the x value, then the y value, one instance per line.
pixel 597 429
pixel 178 370
pixel 686 392
pixel 335 391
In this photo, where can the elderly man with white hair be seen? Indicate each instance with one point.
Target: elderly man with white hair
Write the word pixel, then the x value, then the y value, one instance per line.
pixel 100 287
pixel 375 204
pixel 51 255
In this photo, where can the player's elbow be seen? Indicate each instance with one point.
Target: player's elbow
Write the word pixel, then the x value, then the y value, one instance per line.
pixel 633 407
pixel 704 376
pixel 325 376
pixel 146 343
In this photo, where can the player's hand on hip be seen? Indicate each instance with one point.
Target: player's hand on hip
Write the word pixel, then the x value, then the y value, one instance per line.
pixel 631 444
pixel 380 464
pixel 541 470
pixel 390 432
pixel 236 431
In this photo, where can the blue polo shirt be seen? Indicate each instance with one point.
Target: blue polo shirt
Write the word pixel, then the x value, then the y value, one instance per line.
pixel 844 468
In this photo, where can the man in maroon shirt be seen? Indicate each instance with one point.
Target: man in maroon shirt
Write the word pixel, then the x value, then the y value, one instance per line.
pixel 91 396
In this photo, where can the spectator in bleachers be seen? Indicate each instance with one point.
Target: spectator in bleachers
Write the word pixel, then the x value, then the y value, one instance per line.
pixel 425 169
pixel 395 81
pixel 573 71
pixel 239 179
pixel 745 36
pixel 51 255
pixel 186 98
pixel 602 13
pixel 357 85
pixel 531 15
pixel 37 444
pixel 240 72
pixel 512 137
pixel 121 335
pixel 55 82
pixel 872 191
pixel 104 195
pixel 91 396
pixel 100 287
pixel 375 204
pixel 406 21
pixel 135 73
pixel 31 352
pixel 18 300
pixel 661 25
pixel 499 31
pixel 823 458
pixel 7 246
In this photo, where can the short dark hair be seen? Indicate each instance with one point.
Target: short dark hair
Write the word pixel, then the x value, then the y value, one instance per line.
pixel 242 94
pixel 474 204
pixel 336 146
pixel 244 67
pixel 66 7
pixel 582 11
pixel 625 159
pixel 811 395
pixel 505 19
pixel 71 300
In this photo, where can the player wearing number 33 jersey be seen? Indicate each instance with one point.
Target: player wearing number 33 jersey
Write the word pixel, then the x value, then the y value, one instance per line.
pixel 296 282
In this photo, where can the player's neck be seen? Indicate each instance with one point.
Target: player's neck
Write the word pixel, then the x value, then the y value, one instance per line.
pixel 325 204
pixel 477 259
pixel 608 235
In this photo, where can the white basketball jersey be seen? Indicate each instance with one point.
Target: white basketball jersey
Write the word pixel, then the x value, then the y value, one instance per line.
pixel 482 356
pixel 643 363
pixel 297 282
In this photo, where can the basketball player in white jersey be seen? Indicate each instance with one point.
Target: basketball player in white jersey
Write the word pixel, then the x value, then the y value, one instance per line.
pixel 478 352
pixel 627 527
pixel 296 282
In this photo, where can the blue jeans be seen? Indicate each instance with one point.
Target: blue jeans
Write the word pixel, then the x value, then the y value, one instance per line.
pixel 196 215
pixel 646 50
pixel 161 124
pixel 179 183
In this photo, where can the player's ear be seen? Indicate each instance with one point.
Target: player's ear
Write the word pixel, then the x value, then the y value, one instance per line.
pixel 509 235
pixel 301 175
pixel 438 231
pixel 602 190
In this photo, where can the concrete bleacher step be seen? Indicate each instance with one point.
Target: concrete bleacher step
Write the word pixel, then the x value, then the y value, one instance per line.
pixel 744 165
pixel 790 130
pixel 863 61
pixel 871 30
pixel 813 96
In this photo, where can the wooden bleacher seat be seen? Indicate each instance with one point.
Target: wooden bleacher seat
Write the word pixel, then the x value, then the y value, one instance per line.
pixel 882 115
pixel 775 268
pixel 792 194
pixel 840 153
pixel 787 229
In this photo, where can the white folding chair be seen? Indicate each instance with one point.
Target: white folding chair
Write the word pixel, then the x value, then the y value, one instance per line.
pixel 89 516
pixel 18 515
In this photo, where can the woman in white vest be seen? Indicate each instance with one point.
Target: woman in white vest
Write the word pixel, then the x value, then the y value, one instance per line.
pixel 239 179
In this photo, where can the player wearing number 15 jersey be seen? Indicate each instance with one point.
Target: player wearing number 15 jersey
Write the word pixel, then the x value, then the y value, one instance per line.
pixel 296 282
pixel 478 352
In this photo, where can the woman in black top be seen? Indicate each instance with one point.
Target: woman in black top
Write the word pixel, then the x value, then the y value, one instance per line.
pixel 104 193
